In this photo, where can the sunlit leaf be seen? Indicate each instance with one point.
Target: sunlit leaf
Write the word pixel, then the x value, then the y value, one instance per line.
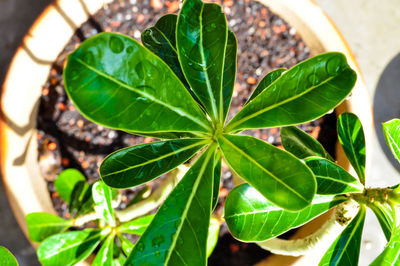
pixel 7 258
pixel 276 174
pixel 178 233
pixel 345 250
pixel 105 255
pixel 265 82
pixel 391 131
pixel 217 179
pixel 385 217
pixel 303 93
pixel 251 217
pixel 126 244
pixel 137 226
pixel 102 197
pixel 213 233
pixel 351 137
pixel 136 165
pixel 66 182
pixel 42 225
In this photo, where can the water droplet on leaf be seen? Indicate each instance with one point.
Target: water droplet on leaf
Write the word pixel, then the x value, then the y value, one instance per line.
pixel 157 241
pixel 140 247
pixel 116 44
pixel 333 66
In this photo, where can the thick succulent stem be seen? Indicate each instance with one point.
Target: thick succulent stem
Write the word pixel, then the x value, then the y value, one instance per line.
pixel 322 238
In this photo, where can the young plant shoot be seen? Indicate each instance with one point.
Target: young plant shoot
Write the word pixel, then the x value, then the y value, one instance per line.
pixel 177 87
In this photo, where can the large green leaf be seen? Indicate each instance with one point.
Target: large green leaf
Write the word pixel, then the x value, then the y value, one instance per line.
pixel 303 93
pixel 7 258
pixel 137 226
pixel 385 217
pixel 391 131
pixel 116 82
pixel 69 248
pixel 276 174
pixel 102 197
pixel 251 217
pixel 229 75
pixel 42 225
pixel 265 82
pixel 105 255
pixel 139 164
pixel 212 238
pixel 201 39
pixel 66 182
pixel 351 137
pixel 217 179
pixel 345 250
pixel 331 178
pixel 301 144
pixel 178 233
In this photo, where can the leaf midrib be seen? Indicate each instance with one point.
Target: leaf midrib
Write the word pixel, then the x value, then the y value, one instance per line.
pixel 157 158
pixel 264 170
pixel 126 86
pixel 275 105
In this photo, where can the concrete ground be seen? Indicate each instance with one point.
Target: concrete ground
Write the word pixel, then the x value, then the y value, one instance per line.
pixel 372 30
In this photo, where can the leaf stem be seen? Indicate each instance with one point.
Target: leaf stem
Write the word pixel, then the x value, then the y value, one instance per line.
pixel 321 239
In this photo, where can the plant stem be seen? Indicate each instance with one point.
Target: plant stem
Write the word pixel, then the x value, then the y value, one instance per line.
pixel 144 206
pixel 320 239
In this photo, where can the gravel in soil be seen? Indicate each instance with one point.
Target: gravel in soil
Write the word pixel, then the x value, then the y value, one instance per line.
pixel 68 140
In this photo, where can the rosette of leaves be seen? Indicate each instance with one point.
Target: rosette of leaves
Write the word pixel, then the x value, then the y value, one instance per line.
pixel 177 87
pixel 251 217
pixel 61 247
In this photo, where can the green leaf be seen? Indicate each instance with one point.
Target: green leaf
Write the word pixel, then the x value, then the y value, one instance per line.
pixel 276 174
pixel 251 217
pixel 69 248
pixel 391 254
pixel 116 82
pixel 119 261
pixel 265 82
pixel 178 233
pixel 201 41
pixel 212 238
pixel 7 258
pixel 345 250
pixel 391 131
pixel 86 204
pixel 301 144
pixel 331 178
pixel 77 196
pixel 105 255
pixel 385 217
pixel 351 137
pixel 102 197
pixel 139 164
pixel 137 226
pixel 229 75
pixel 303 93
pixel 66 182
pixel 126 244
pixel 217 179
pixel 42 225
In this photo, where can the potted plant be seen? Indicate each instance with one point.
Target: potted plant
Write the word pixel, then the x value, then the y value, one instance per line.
pixel 199 135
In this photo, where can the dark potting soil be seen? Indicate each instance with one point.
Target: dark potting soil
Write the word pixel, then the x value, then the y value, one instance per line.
pixel 67 140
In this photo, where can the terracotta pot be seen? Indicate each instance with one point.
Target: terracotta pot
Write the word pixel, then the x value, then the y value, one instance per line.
pixel 25 187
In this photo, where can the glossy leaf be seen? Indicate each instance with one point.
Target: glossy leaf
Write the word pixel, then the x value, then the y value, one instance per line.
pixel 265 82
pixel 385 217
pixel 7 258
pixel 139 164
pixel 86 204
pixel 345 250
pixel 116 82
pixel 119 261
pixel 229 75
pixel 66 182
pixel 77 196
pixel 212 238
pixel 251 217
pixel 42 225
pixel 126 244
pixel 105 255
pixel 201 39
pixel 137 226
pixel 276 174
pixel 69 248
pixel 217 179
pixel 178 233
pixel 391 131
pixel 303 93
pixel 351 137
pixel 102 197
pixel 301 144
pixel 331 178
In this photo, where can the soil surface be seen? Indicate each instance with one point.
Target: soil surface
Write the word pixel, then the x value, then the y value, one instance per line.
pixel 68 140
